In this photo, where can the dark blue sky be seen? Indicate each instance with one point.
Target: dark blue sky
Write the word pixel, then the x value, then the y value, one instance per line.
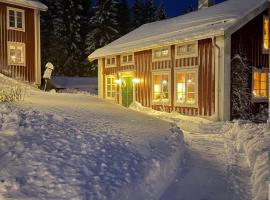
pixel 176 7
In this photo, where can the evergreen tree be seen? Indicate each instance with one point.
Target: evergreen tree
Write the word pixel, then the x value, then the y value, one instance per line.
pixel 123 17
pixel 104 23
pixel 161 13
pixel 150 11
pixel 138 14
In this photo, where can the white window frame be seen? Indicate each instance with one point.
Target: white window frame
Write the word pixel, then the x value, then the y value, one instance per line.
pixel 16 10
pixel 260 98
pixel 106 89
pixel 111 58
pixel 16 44
pixel 162 58
pixel 127 62
pixel 187 54
pixel 191 69
pixel 160 102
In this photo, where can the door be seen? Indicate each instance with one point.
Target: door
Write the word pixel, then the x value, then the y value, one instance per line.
pixel 127 91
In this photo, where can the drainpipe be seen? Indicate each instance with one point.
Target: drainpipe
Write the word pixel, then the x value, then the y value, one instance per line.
pixel 217 85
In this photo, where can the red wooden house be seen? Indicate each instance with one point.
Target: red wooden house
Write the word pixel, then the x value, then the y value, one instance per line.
pixel 20 39
pixel 183 64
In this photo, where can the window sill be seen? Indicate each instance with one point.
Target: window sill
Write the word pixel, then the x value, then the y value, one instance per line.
pixel 164 102
pixel 193 55
pixel 185 105
pixel 16 29
pixel 14 64
pixel 260 99
pixel 127 64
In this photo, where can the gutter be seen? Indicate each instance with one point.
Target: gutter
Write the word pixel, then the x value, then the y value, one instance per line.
pixel 217 85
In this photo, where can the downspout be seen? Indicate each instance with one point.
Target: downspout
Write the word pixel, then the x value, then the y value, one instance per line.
pixel 217 85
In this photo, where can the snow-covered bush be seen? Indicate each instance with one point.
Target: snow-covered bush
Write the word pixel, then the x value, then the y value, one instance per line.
pixel 253 140
pixel 11 90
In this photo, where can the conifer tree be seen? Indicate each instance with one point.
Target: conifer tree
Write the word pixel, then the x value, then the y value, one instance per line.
pixel 105 25
pixel 138 14
pixel 161 13
pixel 150 11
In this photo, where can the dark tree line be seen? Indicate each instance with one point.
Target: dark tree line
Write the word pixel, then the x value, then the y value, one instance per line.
pixel 72 29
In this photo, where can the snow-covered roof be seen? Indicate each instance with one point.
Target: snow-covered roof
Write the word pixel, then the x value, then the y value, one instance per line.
pixel 35 4
pixel 221 19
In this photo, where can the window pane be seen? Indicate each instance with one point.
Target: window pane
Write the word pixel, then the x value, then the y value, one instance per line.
pixel 109 80
pixel 256 84
pixel 181 49
pixel 181 87
pixel 157 86
pixel 12 18
pixel 108 61
pixel 130 58
pixel 113 61
pixel 12 55
pixel 157 53
pixel 19 20
pixel 266 33
pixel 165 52
pixel 190 48
pixel 124 59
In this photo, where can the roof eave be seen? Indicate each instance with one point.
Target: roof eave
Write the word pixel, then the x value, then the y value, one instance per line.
pixel 92 57
pixel 41 7
pixel 245 19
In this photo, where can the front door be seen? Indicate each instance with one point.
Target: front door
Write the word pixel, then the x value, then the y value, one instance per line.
pixel 127 91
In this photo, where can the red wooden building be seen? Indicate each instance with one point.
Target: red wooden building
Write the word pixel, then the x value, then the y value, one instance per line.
pixel 183 64
pixel 20 39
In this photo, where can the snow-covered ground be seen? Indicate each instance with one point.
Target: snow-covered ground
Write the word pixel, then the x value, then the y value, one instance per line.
pixel 74 146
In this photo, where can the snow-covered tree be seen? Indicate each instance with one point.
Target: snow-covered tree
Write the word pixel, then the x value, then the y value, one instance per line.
pixel 138 14
pixel 105 25
pixel 241 88
pixel 150 11
pixel 161 12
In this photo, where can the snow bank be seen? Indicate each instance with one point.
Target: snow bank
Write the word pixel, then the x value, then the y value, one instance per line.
pixel 161 172
pixel 253 140
pixel 187 123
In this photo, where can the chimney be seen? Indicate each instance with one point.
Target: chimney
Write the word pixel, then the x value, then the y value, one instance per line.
pixel 205 4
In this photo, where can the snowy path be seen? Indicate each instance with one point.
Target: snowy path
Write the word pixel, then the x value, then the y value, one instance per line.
pixel 204 175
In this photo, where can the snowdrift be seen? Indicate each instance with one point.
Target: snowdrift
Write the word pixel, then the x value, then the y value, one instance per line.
pixel 253 140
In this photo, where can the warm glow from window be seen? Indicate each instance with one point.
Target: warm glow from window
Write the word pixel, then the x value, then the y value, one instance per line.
pixel 266 34
pixel 16 53
pixel 260 84
pixel 186 87
pixel 161 87
pixel 160 54
pixel 110 87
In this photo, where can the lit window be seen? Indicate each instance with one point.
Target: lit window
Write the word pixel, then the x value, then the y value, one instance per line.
pixel 161 54
pixel 127 59
pixel 187 50
pixel 161 87
pixel 16 54
pixel 265 34
pixel 110 87
pixel 260 83
pixel 186 87
pixel 110 62
pixel 16 19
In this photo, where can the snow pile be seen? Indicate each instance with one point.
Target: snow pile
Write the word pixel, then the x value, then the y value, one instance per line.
pixel 51 156
pixel 187 123
pixel 253 141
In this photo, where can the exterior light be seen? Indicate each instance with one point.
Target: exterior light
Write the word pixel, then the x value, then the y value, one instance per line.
pixel 118 82
pixel 189 81
pixel 165 82
pixel 136 80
